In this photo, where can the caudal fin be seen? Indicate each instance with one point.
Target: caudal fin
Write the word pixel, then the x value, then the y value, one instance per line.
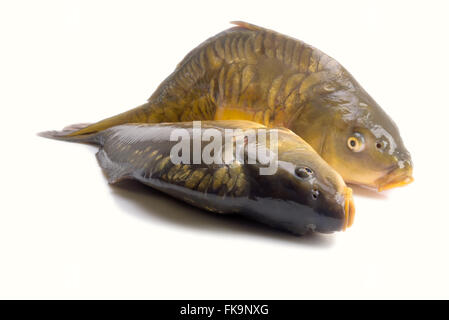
pixel 66 134
pixel 136 115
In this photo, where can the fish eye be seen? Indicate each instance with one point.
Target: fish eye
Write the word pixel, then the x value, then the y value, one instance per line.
pixel 304 172
pixel 356 142
pixel 315 193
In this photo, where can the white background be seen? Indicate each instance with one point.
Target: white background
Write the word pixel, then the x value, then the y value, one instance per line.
pixel 66 233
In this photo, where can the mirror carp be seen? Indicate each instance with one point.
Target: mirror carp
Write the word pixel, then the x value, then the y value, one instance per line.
pixel 303 195
pixel 252 73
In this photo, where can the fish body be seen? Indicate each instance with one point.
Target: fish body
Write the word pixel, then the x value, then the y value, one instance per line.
pixel 252 73
pixel 304 194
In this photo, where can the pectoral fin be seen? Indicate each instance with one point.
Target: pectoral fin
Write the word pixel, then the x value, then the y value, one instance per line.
pixel 114 172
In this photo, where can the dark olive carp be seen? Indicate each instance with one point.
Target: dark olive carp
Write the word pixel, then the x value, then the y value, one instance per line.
pixel 304 194
pixel 252 73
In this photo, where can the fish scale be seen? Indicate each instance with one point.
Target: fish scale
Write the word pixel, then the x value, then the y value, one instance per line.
pixel 229 60
pixel 318 201
pixel 252 73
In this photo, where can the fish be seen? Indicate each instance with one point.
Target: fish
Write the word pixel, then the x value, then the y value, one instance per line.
pixel 251 73
pixel 304 194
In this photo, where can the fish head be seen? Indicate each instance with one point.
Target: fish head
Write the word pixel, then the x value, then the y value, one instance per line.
pixel 305 191
pixel 356 137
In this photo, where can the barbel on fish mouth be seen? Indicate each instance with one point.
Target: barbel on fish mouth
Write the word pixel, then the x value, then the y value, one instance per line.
pixel 303 194
pixel 252 73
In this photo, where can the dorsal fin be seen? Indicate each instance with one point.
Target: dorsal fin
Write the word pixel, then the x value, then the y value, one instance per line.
pixel 247 25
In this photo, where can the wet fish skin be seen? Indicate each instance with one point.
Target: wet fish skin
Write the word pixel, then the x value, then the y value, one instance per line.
pixel 283 200
pixel 252 73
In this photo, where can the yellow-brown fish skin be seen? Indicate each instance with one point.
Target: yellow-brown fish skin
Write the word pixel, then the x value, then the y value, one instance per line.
pixel 251 73
pixel 316 199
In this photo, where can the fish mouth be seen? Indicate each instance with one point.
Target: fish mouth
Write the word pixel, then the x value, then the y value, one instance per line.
pixel 349 209
pixel 397 178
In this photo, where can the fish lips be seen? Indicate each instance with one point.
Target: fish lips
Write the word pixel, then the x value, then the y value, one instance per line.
pixel 397 177
pixel 340 215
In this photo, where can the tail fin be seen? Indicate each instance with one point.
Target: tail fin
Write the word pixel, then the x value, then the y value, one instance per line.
pixel 136 115
pixel 66 134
